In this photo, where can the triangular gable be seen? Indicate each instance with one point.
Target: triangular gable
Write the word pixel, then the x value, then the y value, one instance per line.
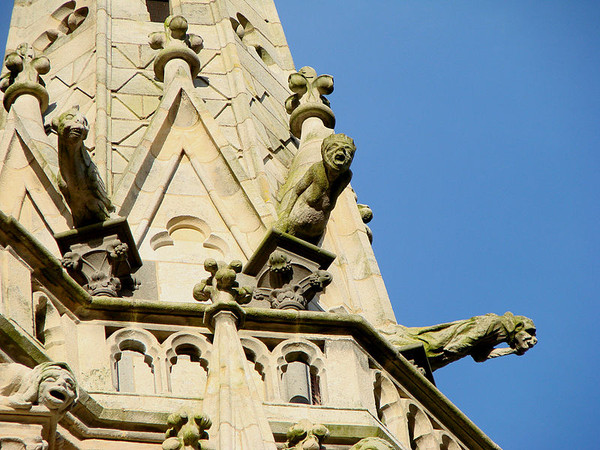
pixel 182 126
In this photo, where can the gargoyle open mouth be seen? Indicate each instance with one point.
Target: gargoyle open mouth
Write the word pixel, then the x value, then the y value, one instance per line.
pixel 340 157
pixel 58 394
pixel 75 132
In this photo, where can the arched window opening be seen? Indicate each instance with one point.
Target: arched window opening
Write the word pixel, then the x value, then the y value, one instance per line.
pixel 188 371
pixel 301 381
pixel 257 372
pixel 134 369
pixel 158 10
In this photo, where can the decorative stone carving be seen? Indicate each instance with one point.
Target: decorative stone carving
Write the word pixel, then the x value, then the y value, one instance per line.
pixel 176 43
pixel 15 443
pixel 23 77
pixel 221 286
pixel 187 431
pixel 306 436
pixel 79 181
pixel 372 443
pixel 50 384
pixel 477 337
pixel 284 291
pixel 309 99
pixel 306 206
pixel 101 257
pixel 366 215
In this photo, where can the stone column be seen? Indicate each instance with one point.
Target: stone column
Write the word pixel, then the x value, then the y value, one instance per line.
pixel 231 399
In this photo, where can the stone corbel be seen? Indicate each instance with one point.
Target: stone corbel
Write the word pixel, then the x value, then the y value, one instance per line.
pixel 178 50
pixel 101 257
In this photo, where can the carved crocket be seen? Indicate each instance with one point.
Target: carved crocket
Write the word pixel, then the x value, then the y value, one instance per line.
pixel 79 181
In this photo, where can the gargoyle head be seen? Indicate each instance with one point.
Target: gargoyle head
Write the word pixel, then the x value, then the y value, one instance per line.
pixel 57 389
pixel 523 337
pixel 337 151
pixel 71 126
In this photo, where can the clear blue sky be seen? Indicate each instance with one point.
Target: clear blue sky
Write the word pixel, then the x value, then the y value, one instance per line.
pixel 477 125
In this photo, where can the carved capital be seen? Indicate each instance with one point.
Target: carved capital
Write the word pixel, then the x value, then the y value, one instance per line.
pixel 288 285
pixel 101 257
pixel 309 99
pixel 23 77
pixel 176 43
pixel 187 430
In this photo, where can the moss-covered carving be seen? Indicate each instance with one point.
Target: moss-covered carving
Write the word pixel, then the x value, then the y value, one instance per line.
pixel 476 337
pixel 308 99
pixel 23 77
pixel 80 181
pixel 306 206
pixel 221 286
pixel 306 436
pixel 50 384
pixel 187 431
pixel 372 443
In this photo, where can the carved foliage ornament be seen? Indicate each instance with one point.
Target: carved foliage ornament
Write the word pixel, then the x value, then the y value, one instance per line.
pixel 187 431
pixel 23 77
pixel 175 42
pixel 306 436
pixel 282 292
pixel 221 286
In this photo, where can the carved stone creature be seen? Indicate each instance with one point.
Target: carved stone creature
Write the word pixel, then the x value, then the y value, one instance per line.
pixel 285 293
pixel 305 208
pixel 476 337
pixel 15 443
pixel 50 384
pixel 221 286
pixel 187 431
pixel 306 436
pixel 372 443
pixel 79 182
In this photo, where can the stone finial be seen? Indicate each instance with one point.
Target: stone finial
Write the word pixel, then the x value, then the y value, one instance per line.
pixel 372 443
pixel 176 43
pixel 221 286
pixel 23 77
pixel 306 206
pixel 306 435
pixel 187 430
pixel 309 99
pixel 476 337
pixel 50 384
pixel 79 181
pixel 287 291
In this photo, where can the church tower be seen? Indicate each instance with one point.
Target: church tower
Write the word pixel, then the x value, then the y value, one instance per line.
pixel 183 261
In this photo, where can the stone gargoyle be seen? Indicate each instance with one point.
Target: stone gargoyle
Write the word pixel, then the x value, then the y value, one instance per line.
pixel 476 337
pixel 50 384
pixel 80 181
pixel 305 207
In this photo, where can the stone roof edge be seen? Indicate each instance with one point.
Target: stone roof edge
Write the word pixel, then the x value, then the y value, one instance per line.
pixel 47 268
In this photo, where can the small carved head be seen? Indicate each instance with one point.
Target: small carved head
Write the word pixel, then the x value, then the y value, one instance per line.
pixel 57 389
pixel 306 436
pixel 372 443
pixel 524 335
pixel 337 151
pixel 71 126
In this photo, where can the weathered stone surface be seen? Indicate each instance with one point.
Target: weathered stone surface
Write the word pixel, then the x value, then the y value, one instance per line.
pixel 306 206
pixel 306 436
pixel 476 337
pixel 49 384
pixel 187 431
pixel 80 181
pixel 221 286
pixel 372 443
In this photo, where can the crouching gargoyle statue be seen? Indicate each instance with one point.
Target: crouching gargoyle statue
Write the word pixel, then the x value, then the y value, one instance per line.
pixel 79 181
